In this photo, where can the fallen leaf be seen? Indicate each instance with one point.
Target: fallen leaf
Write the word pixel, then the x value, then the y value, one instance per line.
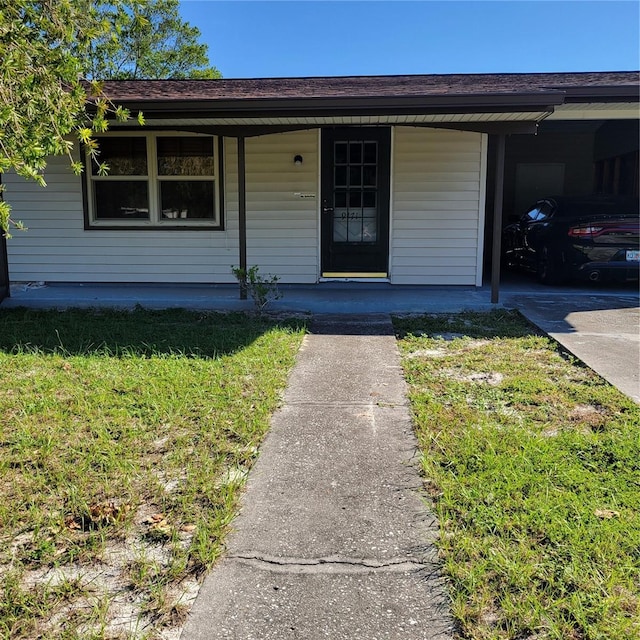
pixel 161 528
pixel 606 514
pixel 71 522
pixel 108 511
pixel 155 518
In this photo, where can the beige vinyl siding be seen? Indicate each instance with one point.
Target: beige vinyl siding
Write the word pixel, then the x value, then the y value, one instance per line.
pixel 57 248
pixel 282 227
pixel 281 236
pixel 437 205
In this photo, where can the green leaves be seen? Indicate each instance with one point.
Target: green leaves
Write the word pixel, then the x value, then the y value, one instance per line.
pixel 262 289
pixel 145 39
pixel 84 135
pixel 5 213
pixel 45 103
pixel 122 114
pixel 103 169
pixel 48 47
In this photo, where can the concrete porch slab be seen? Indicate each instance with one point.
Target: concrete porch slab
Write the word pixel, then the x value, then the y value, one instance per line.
pixel 323 298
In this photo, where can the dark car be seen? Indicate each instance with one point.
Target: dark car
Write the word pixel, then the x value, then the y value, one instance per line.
pixel 595 238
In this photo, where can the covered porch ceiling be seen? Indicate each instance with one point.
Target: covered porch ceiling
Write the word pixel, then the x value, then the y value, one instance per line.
pixel 512 122
pixel 492 122
pixel 368 120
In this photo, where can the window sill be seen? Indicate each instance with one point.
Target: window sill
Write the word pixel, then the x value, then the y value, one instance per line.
pixel 153 227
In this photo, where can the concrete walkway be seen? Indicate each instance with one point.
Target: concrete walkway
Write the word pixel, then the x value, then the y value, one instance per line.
pixel 334 539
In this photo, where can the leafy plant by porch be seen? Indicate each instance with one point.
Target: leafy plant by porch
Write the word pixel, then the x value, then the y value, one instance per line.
pixel 533 464
pixel 125 439
pixel 262 289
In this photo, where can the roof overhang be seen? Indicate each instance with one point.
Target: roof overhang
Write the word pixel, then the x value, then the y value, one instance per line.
pixel 349 106
pixel 490 122
pixel 604 93
pixel 490 104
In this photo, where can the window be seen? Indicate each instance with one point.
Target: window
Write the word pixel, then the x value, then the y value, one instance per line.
pixel 545 210
pixel 532 214
pixel 156 180
pixel 355 217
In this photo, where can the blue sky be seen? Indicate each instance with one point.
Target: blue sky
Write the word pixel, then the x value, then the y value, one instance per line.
pixel 308 38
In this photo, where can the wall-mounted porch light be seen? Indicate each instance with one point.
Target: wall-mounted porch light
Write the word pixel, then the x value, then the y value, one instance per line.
pixel 297 160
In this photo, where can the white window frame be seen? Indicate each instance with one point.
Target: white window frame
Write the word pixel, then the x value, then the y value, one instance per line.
pixel 154 180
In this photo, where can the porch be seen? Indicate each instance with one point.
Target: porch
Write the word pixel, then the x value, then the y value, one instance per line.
pixel 324 298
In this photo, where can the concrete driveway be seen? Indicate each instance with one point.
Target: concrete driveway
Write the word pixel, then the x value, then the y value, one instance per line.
pixel 600 328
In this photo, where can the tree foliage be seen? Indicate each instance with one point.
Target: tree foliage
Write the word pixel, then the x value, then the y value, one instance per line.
pixel 146 39
pixel 51 54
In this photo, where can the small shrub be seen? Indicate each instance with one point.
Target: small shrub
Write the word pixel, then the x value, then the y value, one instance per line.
pixel 262 289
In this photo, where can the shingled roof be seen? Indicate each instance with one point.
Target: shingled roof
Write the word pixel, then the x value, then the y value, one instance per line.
pixel 578 86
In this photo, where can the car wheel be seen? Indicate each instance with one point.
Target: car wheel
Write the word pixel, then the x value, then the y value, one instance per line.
pixel 549 269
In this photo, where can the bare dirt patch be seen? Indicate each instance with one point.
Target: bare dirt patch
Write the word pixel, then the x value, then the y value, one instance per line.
pixel 492 378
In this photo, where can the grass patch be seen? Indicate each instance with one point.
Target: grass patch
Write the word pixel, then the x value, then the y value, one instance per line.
pixel 125 439
pixel 533 464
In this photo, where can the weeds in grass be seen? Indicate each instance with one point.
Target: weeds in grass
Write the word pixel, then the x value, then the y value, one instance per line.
pixel 533 463
pixel 119 433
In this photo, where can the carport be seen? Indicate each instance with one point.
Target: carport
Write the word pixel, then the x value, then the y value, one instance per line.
pixel 574 152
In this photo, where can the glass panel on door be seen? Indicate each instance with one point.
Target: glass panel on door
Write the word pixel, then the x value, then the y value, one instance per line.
pixel 355 215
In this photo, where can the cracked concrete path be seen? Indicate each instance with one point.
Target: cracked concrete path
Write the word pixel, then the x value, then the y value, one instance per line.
pixel 334 539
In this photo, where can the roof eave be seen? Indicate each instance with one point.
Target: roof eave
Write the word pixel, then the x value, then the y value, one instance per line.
pixel 603 94
pixel 348 105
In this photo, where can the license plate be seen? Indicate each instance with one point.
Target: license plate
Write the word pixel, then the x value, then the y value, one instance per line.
pixel 633 255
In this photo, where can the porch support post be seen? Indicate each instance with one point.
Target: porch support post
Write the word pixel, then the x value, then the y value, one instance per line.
pixel 4 267
pixel 242 214
pixel 497 219
pixel 4 260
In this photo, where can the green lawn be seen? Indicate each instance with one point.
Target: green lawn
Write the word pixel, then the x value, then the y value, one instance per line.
pixel 125 439
pixel 533 464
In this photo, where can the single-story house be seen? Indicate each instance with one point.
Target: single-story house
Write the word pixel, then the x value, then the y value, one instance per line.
pixel 396 178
